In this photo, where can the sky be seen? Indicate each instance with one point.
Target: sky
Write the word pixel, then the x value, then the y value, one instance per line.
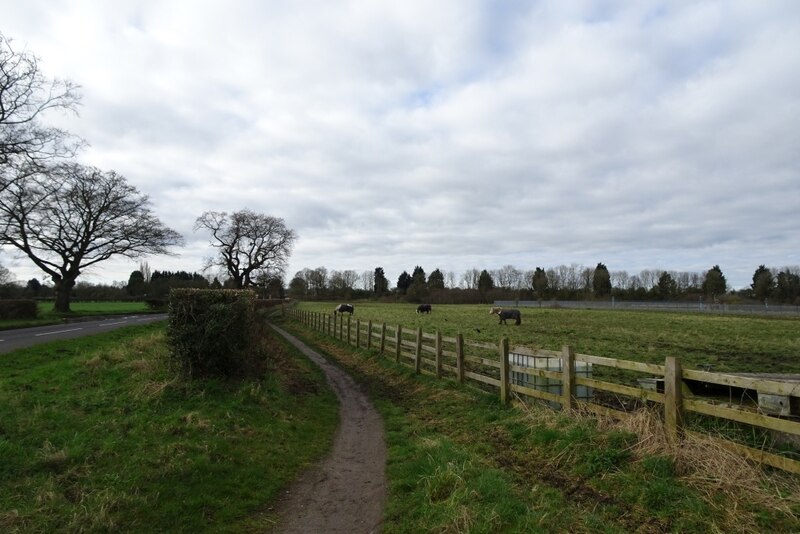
pixel 454 134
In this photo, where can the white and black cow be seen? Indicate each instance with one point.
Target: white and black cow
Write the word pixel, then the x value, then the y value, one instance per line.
pixel 344 308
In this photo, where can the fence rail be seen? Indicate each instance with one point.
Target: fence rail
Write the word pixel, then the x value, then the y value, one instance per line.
pixel 490 366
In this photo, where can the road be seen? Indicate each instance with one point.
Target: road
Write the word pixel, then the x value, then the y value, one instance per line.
pixel 27 337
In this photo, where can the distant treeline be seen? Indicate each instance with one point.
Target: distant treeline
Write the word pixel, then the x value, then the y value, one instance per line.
pixel 141 285
pixel 565 282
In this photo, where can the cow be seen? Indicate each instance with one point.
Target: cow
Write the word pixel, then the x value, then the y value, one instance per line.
pixel 507 314
pixel 344 308
pixel 424 308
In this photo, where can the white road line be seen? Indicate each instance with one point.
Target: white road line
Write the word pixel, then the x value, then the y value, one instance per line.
pixel 112 324
pixel 57 332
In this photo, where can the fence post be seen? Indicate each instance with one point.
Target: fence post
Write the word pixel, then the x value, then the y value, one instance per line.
pixel 398 338
pixel 438 353
pixel 358 333
pixel 504 390
pixel 673 399
pixel 369 334
pixel 568 378
pixel 383 337
pixel 348 327
pixel 418 351
pixel 460 357
pixel 341 326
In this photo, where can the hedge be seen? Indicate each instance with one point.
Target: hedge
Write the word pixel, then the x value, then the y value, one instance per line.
pixel 214 332
pixel 18 309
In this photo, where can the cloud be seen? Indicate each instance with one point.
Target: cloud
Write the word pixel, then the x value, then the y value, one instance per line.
pixel 453 134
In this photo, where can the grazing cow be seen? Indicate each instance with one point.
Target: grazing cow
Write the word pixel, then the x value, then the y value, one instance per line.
pixel 507 314
pixel 342 308
pixel 424 308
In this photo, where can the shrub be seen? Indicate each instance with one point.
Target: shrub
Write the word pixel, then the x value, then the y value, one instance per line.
pixel 214 332
pixel 18 309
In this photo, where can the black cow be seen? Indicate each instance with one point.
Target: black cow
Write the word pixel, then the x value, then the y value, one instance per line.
pixel 342 308
pixel 424 308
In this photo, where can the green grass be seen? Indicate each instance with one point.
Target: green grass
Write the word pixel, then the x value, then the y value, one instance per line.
pixel 98 308
pixel 728 342
pixel 97 434
pixel 459 461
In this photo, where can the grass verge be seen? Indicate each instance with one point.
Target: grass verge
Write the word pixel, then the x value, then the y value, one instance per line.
pixel 461 462
pixel 97 434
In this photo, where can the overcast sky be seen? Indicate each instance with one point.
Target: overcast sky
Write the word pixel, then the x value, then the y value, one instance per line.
pixel 448 134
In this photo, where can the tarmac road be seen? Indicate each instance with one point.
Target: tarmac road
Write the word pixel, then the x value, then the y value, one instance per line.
pixel 27 337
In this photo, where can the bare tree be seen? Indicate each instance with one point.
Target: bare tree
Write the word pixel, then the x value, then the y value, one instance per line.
pixel 147 274
pixel 450 280
pixel 470 278
pixel 318 280
pixel 508 277
pixel 342 282
pixel 5 276
pixel 70 217
pixel 649 278
pixel 368 280
pixel 620 279
pixel 25 95
pixel 249 244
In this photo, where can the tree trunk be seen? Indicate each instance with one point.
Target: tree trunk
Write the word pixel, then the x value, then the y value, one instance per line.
pixel 63 290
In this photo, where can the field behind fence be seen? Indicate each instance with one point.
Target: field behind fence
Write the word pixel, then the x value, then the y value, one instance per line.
pixel 564 381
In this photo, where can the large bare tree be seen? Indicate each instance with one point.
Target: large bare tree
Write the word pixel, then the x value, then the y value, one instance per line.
pixel 68 217
pixel 25 95
pixel 249 244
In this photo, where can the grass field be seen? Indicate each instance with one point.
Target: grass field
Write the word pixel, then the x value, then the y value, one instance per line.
pixel 728 342
pixel 98 308
pixel 98 435
pixel 459 461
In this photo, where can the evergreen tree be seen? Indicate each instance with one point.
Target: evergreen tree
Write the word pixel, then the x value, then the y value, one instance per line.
pixel 788 287
pixel 403 283
pixel 715 284
pixel 418 275
pixel 667 288
pixel 485 281
pixel 763 283
pixel 34 286
pixel 136 285
pixel 540 284
pixel 436 280
pixel 601 281
pixel 381 283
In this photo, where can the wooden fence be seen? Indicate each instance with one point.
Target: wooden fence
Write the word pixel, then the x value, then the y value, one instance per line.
pixel 489 365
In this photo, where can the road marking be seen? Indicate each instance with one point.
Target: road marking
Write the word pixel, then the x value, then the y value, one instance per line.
pixel 57 332
pixel 112 324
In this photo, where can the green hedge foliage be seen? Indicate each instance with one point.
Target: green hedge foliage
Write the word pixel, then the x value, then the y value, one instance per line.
pixel 214 332
pixel 18 309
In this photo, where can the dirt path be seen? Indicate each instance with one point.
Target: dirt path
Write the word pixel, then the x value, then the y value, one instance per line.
pixel 346 493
